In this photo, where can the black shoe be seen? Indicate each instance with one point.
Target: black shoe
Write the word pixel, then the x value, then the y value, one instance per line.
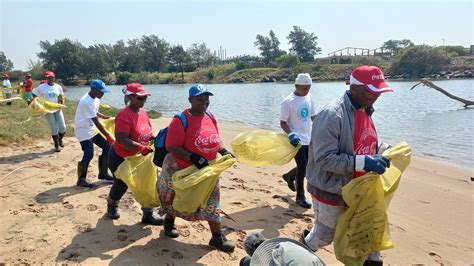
pixel 302 202
pixel 103 169
pixel 302 238
pixel 290 179
pixel 170 228
pixel 82 174
pixel 373 263
pixel 56 143
pixel 220 242
pixel 113 212
pixel 149 218
pixel 245 261
pixel 60 139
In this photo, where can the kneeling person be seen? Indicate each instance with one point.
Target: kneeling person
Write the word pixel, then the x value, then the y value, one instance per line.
pixel 87 127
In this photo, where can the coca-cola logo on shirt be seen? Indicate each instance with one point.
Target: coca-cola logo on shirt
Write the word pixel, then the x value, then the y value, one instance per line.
pixel 207 140
pixel 145 134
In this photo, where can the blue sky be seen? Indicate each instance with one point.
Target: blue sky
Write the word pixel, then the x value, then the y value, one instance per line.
pixel 232 25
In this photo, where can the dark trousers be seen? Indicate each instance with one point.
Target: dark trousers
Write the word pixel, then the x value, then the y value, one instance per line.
pixel 301 159
pixel 119 188
pixel 88 148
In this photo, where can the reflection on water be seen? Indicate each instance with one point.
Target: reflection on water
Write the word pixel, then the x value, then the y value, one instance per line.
pixel 433 124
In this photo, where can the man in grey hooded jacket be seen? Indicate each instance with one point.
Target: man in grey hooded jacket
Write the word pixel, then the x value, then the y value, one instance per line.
pixel 343 146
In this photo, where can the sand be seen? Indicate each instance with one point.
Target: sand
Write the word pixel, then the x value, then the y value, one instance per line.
pixel 45 218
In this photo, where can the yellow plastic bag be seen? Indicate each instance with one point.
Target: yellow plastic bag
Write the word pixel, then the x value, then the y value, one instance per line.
pixel 362 228
pixel 193 187
pixel 139 173
pixel 263 148
pixel 40 106
pixel 109 125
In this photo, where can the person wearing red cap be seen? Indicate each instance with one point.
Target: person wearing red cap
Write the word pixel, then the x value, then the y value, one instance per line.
pixel 344 146
pixel 7 88
pixel 28 86
pixel 133 133
pixel 53 92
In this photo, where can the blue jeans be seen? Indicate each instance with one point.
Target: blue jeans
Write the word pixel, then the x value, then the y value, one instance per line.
pixel 56 122
pixel 88 147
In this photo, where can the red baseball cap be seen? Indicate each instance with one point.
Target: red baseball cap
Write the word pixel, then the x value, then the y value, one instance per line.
pixel 136 89
pixel 49 74
pixel 28 75
pixel 371 77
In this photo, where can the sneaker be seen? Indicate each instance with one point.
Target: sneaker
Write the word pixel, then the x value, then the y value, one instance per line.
pixel 220 242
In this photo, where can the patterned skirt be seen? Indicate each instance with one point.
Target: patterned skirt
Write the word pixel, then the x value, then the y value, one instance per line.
pixel 166 191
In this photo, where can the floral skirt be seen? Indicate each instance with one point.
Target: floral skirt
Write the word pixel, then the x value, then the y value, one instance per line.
pixel 166 191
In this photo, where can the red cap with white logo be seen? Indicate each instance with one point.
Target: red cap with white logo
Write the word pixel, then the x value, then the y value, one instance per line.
pixel 371 77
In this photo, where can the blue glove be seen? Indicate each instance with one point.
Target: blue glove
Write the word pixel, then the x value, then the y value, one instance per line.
pixel 375 163
pixel 294 139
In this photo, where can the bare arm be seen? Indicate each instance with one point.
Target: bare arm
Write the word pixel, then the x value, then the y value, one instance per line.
pixel 125 141
pixel 99 126
pixel 180 152
pixel 285 127
pixel 102 116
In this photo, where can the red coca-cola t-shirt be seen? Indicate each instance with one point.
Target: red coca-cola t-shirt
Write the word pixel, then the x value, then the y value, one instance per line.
pixel 200 137
pixel 365 137
pixel 28 85
pixel 137 125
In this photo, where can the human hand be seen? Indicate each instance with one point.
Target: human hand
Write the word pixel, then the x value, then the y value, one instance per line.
pixel 110 139
pixel 294 139
pixel 144 150
pixel 375 163
pixel 199 161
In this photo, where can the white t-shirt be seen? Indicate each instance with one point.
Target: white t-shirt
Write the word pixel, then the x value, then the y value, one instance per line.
pixel 50 93
pixel 7 86
pixel 83 124
pixel 297 111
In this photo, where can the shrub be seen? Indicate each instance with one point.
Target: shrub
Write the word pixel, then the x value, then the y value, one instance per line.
pixel 287 61
pixel 419 61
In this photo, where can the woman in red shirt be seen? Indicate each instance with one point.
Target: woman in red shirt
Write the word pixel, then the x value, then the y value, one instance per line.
pixel 133 133
pixel 196 144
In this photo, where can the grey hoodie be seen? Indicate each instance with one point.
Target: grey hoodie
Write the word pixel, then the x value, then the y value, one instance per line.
pixel 331 151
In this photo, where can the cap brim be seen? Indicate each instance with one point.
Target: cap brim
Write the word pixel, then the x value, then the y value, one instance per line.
pixel 142 94
pixel 203 92
pixel 379 88
pixel 263 254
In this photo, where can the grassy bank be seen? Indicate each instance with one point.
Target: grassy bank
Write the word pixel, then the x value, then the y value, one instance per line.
pixel 18 127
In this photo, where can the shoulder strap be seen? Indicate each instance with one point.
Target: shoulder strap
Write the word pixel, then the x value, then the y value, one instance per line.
pixel 182 117
pixel 208 113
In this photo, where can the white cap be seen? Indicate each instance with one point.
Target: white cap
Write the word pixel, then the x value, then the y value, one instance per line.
pixel 303 79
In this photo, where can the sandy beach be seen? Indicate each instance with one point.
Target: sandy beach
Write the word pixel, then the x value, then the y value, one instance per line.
pixel 47 219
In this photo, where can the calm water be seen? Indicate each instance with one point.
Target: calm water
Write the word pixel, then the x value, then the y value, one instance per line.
pixel 433 124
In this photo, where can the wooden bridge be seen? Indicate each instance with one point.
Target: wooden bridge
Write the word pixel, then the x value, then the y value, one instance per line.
pixel 344 55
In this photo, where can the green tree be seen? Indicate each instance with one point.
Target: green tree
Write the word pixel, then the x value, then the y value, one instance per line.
pixel 5 63
pixel 178 59
pixel 154 52
pixel 36 69
pixel 94 63
pixel 63 56
pixel 269 47
pixel 418 61
pixel 287 61
pixel 201 55
pixel 394 46
pixel 303 44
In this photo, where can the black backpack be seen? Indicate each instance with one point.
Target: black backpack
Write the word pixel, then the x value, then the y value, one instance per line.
pixel 160 139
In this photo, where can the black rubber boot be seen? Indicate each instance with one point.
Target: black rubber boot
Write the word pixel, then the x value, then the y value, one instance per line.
pixel 103 169
pixel 170 228
pixel 220 242
pixel 300 198
pixel 82 174
pixel 290 179
pixel 112 209
pixel 149 218
pixel 372 263
pixel 56 143
pixel 60 139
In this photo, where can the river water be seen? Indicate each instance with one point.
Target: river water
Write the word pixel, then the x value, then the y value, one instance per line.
pixel 436 127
